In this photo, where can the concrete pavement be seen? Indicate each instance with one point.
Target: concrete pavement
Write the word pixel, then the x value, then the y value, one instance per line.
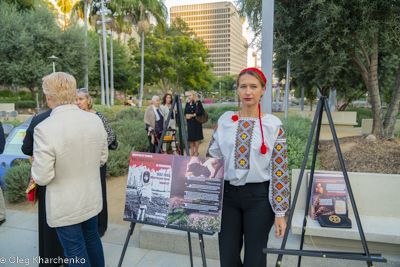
pixel 19 247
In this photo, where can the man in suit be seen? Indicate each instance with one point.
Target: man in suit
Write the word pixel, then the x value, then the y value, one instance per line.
pixel 49 245
pixel 69 148
pixel 2 203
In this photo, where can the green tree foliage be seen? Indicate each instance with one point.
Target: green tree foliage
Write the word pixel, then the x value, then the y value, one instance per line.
pixel 20 5
pixel 28 39
pixel 227 84
pixel 124 75
pixel 328 35
pixel 176 60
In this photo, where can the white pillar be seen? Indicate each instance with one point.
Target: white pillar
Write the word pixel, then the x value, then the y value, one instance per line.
pixel 267 48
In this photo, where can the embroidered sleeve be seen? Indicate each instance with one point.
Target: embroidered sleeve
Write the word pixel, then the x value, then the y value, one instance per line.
pixel 213 150
pixel 280 182
pixel 110 133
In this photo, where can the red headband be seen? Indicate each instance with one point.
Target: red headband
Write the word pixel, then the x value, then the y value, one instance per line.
pixel 258 71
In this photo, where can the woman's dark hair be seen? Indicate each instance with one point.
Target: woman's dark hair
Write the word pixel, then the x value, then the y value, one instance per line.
pixel 164 100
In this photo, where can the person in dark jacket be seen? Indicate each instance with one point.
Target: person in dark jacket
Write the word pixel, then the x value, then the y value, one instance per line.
pixel 49 244
pixel 193 109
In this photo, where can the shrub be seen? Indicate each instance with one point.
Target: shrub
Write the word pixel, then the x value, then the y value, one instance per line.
pixel 362 113
pixel 6 93
pixel 20 103
pixel 24 95
pixel 108 112
pixel 118 160
pixel 131 113
pixel 17 180
pixel 297 132
pixel 131 136
pixel 25 104
pixel 214 113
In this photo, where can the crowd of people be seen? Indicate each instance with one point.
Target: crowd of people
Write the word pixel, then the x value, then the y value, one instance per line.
pixel 69 146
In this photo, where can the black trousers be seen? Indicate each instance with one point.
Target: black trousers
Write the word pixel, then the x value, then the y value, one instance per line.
pixel 49 244
pixel 246 216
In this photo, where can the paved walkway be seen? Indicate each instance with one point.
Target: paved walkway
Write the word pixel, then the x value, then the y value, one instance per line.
pixel 19 243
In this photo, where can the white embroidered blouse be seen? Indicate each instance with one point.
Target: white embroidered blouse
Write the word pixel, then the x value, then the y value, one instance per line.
pixel 239 143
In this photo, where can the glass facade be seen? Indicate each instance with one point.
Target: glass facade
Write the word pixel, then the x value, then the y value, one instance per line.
pixel 221 28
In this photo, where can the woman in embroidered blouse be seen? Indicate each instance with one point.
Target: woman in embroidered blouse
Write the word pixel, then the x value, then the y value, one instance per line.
pixel 257 189
pixel 194 108
pixel 84 102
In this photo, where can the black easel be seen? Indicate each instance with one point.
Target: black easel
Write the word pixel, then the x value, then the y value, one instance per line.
pixel 182 137
pixel 366 256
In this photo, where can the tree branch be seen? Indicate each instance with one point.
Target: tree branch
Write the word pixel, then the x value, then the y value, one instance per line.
pixel 362 49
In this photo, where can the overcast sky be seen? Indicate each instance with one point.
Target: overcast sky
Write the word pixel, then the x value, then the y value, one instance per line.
pixel 248 36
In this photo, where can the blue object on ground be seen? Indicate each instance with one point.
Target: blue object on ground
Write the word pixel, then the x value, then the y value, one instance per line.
pixel 12 149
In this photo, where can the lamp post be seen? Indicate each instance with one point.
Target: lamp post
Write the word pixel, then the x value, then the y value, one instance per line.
pixel 53 57
pixel 102 12
pixel 103 98
pixel 142 69
pixel 109 33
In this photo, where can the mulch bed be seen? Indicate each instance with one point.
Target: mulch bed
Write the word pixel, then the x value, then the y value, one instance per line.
pixel 362 155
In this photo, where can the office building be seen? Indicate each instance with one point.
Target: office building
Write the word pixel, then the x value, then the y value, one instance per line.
pixel 221 28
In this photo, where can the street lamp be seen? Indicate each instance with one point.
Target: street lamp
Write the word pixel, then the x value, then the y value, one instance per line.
pixel 109 33
pixel 103 99
pixel 142 69
pixel 102 12
pixel 53 57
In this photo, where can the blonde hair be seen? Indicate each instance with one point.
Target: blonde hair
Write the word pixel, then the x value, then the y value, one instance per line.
pixel 89 99
pixel 60 88
pixel 194 94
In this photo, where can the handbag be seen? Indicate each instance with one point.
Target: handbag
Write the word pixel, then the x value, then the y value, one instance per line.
pixel 114 144
pixel 203 118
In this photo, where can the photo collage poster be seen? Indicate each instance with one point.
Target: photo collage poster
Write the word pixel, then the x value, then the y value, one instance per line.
pixel 176 191
pixel 329 195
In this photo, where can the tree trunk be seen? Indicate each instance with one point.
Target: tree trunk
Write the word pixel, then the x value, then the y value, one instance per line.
pixel 373 90
pixel 343 107
pixel 392 110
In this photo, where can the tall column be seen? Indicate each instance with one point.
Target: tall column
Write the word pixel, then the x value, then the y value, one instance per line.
pixel 267 48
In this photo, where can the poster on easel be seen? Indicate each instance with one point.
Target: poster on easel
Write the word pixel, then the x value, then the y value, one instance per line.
pixel 329 195
pixel 175 191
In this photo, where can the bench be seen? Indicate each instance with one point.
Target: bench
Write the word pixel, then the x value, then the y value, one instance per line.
pixel 7 106
pixel 377 201
pixel 366 126
pixel 346 119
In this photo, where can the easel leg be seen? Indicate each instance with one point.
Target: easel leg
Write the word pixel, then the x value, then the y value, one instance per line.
pixel 346 179
pixel 314 159
pixel 203 254
pixel 190 250
pixel 296 193
pixel 126 243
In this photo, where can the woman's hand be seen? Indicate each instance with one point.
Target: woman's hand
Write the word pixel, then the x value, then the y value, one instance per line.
pixel 150 129
pixel 280 227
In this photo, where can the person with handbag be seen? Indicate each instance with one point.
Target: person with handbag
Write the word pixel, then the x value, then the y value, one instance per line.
pixel 84 102
pixel 257 185
pixel 193 109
